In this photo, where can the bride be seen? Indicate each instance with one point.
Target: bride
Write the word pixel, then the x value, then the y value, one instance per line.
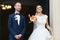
pixel 40 32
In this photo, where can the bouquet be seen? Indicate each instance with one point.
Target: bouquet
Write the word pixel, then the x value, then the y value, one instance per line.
pixel 32 18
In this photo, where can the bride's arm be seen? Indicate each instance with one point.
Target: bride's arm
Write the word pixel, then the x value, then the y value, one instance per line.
pixel 47 25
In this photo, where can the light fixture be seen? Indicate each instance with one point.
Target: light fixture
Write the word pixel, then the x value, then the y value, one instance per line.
pixel 9 7
pixel 4 7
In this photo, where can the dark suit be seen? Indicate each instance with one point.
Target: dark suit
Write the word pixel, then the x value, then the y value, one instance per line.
pixel 14 28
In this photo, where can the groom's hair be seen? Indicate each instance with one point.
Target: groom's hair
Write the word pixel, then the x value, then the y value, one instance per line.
pixel 16 3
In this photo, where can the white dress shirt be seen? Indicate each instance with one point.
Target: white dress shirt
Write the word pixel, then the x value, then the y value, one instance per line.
pixel 18 18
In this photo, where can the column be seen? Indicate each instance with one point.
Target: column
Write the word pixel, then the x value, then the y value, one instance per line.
pixel 55 18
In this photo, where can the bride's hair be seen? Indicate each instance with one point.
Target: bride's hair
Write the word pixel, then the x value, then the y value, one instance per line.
pixel 40 6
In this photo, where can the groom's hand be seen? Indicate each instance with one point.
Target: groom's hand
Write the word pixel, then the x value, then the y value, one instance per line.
pixel 17 37
pixel 20 35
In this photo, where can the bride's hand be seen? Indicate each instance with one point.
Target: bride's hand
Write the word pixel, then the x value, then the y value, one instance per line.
pixel 50 29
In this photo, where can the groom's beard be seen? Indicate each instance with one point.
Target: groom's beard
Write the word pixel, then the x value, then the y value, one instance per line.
pixel 16 39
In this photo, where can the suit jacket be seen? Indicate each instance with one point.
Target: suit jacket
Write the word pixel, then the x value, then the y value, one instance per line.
pixel 13 26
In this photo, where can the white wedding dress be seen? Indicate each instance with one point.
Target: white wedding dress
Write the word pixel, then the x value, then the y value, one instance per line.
pixel 40 32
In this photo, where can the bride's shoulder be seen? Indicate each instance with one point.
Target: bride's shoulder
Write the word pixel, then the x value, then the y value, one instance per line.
pixel 45 15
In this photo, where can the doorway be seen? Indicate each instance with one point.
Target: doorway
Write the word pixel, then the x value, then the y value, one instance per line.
pixel 26 9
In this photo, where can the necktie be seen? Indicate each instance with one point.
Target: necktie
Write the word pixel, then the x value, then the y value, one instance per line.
pixel 17 13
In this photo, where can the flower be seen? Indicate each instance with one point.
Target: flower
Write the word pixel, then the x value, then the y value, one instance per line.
pixel 16 17
pixel 33 18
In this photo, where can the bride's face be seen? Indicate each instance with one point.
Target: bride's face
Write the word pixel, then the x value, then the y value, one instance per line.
pixel 38 9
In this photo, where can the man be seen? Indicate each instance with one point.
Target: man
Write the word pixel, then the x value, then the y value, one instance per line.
pixel 16 24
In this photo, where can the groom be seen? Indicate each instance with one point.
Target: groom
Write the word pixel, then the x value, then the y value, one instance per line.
pixel 16 24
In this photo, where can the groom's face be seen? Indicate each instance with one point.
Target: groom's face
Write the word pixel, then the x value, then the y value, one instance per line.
pixel 17 6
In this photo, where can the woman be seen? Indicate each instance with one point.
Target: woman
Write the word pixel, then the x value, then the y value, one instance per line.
pixel 40 32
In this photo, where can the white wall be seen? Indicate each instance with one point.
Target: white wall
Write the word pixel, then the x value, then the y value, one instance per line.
pixel 55 17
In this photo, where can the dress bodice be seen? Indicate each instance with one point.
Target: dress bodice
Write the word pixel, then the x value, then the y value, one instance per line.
pixel 41 21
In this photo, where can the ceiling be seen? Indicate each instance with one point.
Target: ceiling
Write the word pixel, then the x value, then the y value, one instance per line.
pixel 24 2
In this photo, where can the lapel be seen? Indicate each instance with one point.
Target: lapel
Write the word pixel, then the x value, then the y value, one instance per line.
pixel 20 18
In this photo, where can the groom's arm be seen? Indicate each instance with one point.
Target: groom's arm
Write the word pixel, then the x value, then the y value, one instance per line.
pixel 24 26
pixel 10 26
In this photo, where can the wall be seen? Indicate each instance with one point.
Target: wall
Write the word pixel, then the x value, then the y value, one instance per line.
pixel 55 18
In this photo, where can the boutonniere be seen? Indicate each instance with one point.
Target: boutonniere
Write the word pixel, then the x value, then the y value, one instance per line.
pixel 16 18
